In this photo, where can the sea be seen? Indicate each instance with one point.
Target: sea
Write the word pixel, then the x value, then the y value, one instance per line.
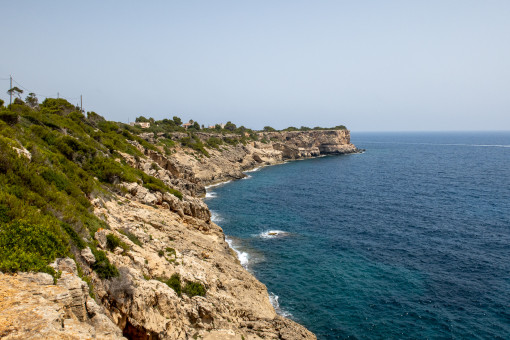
pixel 407 240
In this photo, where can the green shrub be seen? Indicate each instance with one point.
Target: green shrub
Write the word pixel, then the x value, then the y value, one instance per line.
pixel 170 251
pixel 73 149
pixel 194 143
pixel 231 141
pixel 174 282
pixel 78 241
pixel 59 180
pixel 110 171
pixel 167 142
pixel 193 289
pixel 30 247
pixel 102 266
pixel 76 116
pixel 161 253
pixel 56 106
pixel 9 117
pixel 214 142
pixel 93 118
pixel 113 242
pixel 4 216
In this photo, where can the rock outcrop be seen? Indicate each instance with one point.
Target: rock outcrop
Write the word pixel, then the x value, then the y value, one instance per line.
pixel 236 305
pixel 313 143
pixel 33 307
pixel 228 162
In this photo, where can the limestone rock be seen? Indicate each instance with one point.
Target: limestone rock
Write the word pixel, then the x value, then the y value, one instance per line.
pixel 66 265
pixel 32 308
pixel 229 162
pixel 86 253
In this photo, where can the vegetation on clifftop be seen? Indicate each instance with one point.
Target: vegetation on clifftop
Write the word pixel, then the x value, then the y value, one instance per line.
pixel 53 161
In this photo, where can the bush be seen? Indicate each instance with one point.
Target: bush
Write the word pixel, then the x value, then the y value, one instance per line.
pixel 4 216
pixel 9 117
pixel 193 289
pixel 171 251
pixel 214 142
pixel 73 149
pixel 110 171
pixel 56 106
pixel 59 180
pixel 30 247
pixel 195 144
pixel 102 266
pixel 231 141
pixel 113 242
pixel 78 241
pixel 174 282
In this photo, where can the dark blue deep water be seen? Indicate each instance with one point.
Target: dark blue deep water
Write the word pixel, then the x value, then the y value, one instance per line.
pixel 409 240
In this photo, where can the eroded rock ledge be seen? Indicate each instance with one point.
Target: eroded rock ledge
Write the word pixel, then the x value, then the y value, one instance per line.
pixel 163 235
pixel 229 162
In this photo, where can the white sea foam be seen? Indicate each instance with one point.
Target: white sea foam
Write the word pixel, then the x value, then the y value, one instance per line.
pixel 247 177
pixel 273 298
pixel 273 234
pixel 215 217
pixel 243 256
pixel 211 194
pixel 254 169
pixel 216 184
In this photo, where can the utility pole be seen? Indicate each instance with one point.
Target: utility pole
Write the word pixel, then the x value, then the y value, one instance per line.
pixel 81 103
pixel 10 92
pixel 58 95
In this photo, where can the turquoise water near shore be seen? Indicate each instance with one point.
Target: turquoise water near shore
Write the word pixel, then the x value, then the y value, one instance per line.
pixel 410 239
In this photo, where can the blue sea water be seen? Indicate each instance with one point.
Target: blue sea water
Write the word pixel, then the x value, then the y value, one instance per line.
pixel 409 240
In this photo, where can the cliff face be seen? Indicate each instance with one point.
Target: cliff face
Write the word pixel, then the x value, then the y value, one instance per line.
pixel 302 144
pixel 229 162
pixel 161 236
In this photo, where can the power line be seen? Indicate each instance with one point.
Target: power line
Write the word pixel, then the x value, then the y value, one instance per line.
pixel 24 88
pixel 42 95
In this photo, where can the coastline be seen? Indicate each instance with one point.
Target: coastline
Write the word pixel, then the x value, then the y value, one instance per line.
pixel 161 235
pixel 243 256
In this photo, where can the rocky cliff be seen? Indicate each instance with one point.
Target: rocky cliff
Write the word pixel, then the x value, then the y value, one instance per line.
pixel 177 277
pixel 228 163
pixel 302 144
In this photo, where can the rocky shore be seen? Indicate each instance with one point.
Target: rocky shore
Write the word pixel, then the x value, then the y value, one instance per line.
pixel 161 236
pixel 230 163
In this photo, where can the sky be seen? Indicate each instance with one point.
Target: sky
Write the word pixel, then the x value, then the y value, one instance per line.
pixel 370 65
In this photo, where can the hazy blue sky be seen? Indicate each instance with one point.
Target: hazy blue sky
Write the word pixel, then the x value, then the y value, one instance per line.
pixel 371 65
